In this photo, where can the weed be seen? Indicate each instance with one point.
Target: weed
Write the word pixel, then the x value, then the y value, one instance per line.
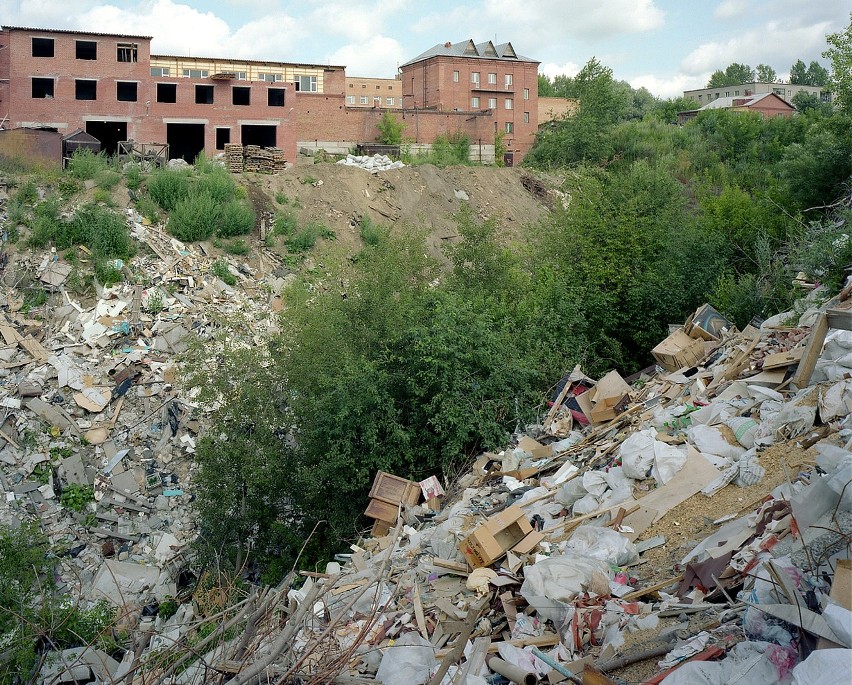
pixel 326 233
pixel 76 497
pixel 285 224
pixel 34 297
pixel 148 208
pixel 85 164
pixel 168 608
pixel 103 197
pixel 194 218
pixel 371 234
pixel 42 473
pixel 27 193
pixel 304 239
pixel 133 176
pixel 281 198
pixel 271 239
pixel 155 301
pixel 68 187
pixel 16 213
pixel 308 180
pixel 237 218
pixel 108 179
pixel 168 187
pixel 221 271
pixel 236 247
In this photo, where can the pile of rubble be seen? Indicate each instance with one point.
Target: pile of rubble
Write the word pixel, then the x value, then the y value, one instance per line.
pixel 96 437
pixel 373 164
pixel 559 558
pixel 689 524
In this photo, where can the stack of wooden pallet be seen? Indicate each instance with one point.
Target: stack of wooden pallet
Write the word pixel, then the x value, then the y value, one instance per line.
pixel 234 157
pixel 277 162
pixel 388 493
pixel 254 156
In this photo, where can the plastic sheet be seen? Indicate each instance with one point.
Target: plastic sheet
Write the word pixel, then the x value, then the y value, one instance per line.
pixel 709 440
pixel 748 663
pixel 637 454
pixel 824 667
pixel 553 582
pixel 409 661
pixel 604 544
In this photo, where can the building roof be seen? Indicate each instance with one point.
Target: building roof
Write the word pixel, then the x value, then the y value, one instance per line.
pixel 469 49
pixel 239 60
pixel 73 31
pixel 741 101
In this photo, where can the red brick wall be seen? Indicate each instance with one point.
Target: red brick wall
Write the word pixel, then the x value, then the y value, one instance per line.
pixel 429 84
pixel 772 107
pixel 145 117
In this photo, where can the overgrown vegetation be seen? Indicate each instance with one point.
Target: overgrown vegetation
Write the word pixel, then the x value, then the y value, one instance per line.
pixel 447 150
pixel 396 361
pixel 390 129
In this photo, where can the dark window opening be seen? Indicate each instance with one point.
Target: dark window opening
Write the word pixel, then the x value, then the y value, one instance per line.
pixel 204 95
pixel 259 134
pixel 42 87
pixel 185 141
pixel 126 91
pixel 42 47
pixel 241 95
pixel 275 97
pixel 167 92
pixel 126 52
pixel 110 133
pixel 87 49
pixel 85 89
pixel 223 137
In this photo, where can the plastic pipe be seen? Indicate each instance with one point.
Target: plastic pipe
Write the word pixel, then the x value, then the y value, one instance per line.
pixel 514 673
pixel 558 667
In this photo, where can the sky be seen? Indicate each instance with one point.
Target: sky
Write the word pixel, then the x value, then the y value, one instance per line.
pixel 667 46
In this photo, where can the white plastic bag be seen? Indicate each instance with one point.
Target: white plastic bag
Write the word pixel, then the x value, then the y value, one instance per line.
pixel 604 544
pixel 637 454
pixel 553 582
pixel 744 430
pixel 409 661
pixel 709 440
pixel 668 460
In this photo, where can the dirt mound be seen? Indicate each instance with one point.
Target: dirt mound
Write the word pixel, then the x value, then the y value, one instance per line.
pixel 423 196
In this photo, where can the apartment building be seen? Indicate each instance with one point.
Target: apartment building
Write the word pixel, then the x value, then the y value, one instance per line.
pixel 110 86
pixel 478 78
pixel 786 91
pixel 379 93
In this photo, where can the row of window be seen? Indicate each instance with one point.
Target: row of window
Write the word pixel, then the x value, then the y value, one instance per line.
pixel 128 91
pixel 508 80
pixel 364 85
pixel 303 83
pixel 508 103
pixel 85 49
pixel 365 100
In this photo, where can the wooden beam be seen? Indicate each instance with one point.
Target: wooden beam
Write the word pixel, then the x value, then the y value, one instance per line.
pixel 812 351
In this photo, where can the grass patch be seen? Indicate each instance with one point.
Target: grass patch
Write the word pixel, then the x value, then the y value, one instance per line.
pixel 76 497
pixel 305 238
pixel 447 150
pixel 103 196
pixel 281 198
pixel 236 247
pixel 133 176
pixel 285 224
pixel 372 234
pixel 148 209
pixel 222 272
pixel 27 193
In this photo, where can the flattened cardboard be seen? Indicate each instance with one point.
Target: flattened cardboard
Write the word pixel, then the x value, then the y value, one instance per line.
pixel 608 408
pixel 611 385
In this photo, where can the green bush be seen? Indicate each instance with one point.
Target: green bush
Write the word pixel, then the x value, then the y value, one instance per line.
pixel 133 176
pixel 76 497
pixel 168 187
pixel 85 164
pixel 237 247
pixel 148 208
pixel 390 129
pixel 218 184
pixel 107 179
pixel 237 219
pixel 447 150
pixel 281 198
pixel 16 213
pixel 68 186
pixel 196 217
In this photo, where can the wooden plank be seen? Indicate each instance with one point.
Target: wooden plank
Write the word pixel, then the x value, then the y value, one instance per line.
pixel 418 612
pixel 636 594
pixel 458 648
pixel 840 319
pixel 812 351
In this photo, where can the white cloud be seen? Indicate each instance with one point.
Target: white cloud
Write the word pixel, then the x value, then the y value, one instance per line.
pixel 377 56
pixel 773 44
pixel 731 9
pixel 670 86
pixel 551 69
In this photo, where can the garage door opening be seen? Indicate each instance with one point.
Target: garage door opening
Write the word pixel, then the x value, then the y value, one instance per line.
pixel 255 134
pixel 186 141
pixel 110 133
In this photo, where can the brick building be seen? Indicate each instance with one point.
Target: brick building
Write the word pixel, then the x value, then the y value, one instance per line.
pixel 107 85
pixel 766 104
pixel 476 78
pixel 381 93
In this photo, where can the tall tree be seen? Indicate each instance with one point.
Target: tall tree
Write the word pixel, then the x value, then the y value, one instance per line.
pixel 840 55
pixel 799 73
pixel 817 74
pixel 718 79
pixel 734 75
pixel 766 74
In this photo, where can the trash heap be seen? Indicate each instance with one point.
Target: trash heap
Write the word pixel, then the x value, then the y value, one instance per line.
pixel 687 524
pixel 373 164
pixel 97 437
pixel 563 558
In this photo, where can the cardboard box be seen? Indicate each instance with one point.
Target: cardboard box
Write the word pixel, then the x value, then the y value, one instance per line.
pixel 393 489
pixel 611 385
pixel 678 351
pixel 382 511
pixel 707 324
pixel 608 408
pixel 507 530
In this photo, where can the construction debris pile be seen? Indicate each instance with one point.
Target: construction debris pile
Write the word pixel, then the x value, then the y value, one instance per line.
pixel 687 524
pixel 564 557
pixel 372 163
